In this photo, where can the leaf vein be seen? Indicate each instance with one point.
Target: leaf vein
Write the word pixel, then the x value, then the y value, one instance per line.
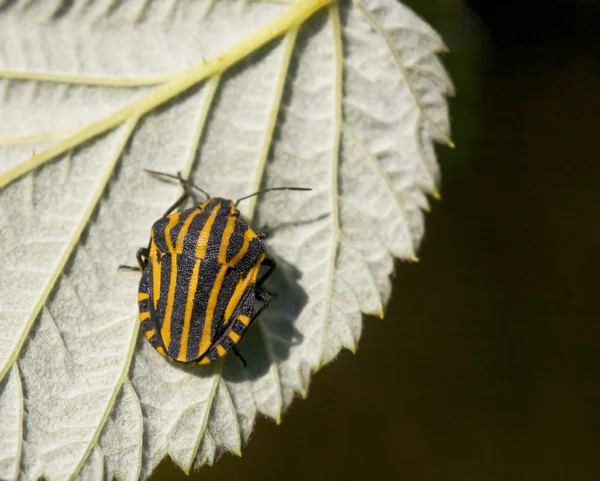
pixel 334 18
pixel 383 176
pixel 381 30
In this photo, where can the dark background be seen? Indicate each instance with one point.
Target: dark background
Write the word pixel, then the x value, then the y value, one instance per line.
pixel 487 364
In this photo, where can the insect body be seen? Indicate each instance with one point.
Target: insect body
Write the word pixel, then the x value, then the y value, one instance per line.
pixel 200 280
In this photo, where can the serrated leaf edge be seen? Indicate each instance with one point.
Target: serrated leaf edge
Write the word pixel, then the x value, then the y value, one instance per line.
pixel 334 17
pixel 382 31
pixel 211 397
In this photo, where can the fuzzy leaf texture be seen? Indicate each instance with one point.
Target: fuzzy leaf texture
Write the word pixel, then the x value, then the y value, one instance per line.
pixel 345 98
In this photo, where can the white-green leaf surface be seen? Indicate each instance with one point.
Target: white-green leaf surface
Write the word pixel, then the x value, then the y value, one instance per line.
pixel 344 98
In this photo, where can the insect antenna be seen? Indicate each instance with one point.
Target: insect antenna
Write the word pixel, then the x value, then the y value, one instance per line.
pixel 185 182
pixel 269 190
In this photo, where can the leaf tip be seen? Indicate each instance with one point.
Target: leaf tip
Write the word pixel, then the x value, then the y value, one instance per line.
pixel 239 453
pixel 381 314
pixel 450 144
pixel 415 259
pixel 278 420
pixel 437 195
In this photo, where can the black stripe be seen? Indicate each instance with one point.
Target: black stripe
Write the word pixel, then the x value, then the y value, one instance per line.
pixel 238 327
pixel 236 241
pixel 144 306
pixel 159 233
pixel 165 281
pixel 226 343
pixel 249 260
pixel 177 227
pixel 144 288
pixel 191 239
pixel 211 268
pixel 144 281
pixel 147 324
pixel 216 235
pixel 185 268
pixel 156 341
pixel 213 355
pixel 208 273
pixel 229 282
pixel 149 274
pixel 246 305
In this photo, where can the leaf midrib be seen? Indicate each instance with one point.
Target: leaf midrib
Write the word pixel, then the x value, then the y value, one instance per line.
pixel 291 18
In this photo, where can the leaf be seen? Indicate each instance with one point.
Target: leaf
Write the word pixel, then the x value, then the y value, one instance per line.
pixel 346 99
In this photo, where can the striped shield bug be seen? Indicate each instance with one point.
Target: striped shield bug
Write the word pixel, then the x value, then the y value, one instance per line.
pixel 200 277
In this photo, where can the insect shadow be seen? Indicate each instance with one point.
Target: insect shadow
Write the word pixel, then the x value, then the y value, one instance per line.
pixel 269 339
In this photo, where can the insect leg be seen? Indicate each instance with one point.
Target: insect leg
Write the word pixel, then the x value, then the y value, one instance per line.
pixel 177 203
pixel 129 268
pixel 240 357
pixel 270 263
pixel 263 297
pixel 189 188
pixel 262 235
pixel 142 258
pixel 187 185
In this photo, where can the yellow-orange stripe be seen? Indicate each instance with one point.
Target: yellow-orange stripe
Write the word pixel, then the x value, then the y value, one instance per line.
pixel 238 292
pixel 240 288
pixel 234 336
pixel 165 331
pixel 205 233
pixel 173 220
pixel 156 270
pixel 144 316
pixel 184 230
pixel 221 350
pixel 245 320
pixel 226 238
pixel 149 334
pixel 205 203
pixel 189 306
pixel 205 340
pixel 142 296
pixel 248 236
